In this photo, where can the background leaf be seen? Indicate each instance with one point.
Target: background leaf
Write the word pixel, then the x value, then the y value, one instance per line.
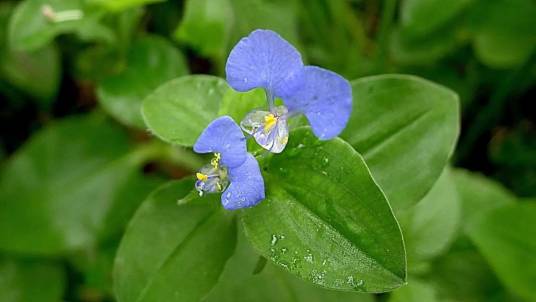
pixel 406 128
pixel 431 225
pixel 415 291
pixel 174 252
pixel 29 29
pixel 479 195
pixel 206 27
pixel 30 281
pixel 463 275
pixel 325 219
pixel 38 72
pixel 151 61
pixel 503 32
pixel 505 236
pixel 179 110
pixel 56 193
pixel 119 5
pixel 420 17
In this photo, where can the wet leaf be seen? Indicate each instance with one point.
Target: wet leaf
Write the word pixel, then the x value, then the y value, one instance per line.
pixel 325 219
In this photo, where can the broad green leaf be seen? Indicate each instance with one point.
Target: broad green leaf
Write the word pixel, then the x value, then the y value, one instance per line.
pixel 37 73
pixel 238 104
pixel 57 193
pixel 206 27
pixel 479 195
pixel 421 17
pixel 30 281
pixel 431 225
pixel 174 252
pixel 29 28
pixel 151 61
pixel 505 237
pixel 406 129
pixel 504 35
pixel 415 291
pixel 119 5
pixel 326 220
pixel 238 283
pixel 179 110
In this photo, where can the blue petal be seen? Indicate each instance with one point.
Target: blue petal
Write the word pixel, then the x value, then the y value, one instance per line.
pixel 223 136
pixel 264 59
pixel 246 188
pixel 326 100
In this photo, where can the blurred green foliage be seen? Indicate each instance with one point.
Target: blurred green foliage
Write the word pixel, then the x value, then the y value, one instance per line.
pixel 76 160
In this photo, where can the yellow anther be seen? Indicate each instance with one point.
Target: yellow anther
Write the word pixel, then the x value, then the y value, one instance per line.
pixel 269 122
pixel 215 162
pixel 201 176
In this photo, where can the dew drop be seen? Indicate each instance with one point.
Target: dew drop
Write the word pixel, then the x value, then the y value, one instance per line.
pixel 274 240
pixel 309 257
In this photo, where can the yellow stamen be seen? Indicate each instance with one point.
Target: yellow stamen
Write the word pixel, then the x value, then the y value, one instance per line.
pixel 215 162
pixel 269 122
pixel 201 176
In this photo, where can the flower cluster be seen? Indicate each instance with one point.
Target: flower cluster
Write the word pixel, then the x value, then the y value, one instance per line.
pixel 265 60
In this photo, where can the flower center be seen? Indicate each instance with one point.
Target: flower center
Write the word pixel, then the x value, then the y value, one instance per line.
pixel 212 178
pixel 269 128
pixel 269 122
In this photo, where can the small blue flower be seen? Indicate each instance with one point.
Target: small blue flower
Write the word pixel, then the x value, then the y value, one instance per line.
pixel 264 59
pixel 233 170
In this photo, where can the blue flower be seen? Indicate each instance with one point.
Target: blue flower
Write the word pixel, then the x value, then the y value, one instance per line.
pixel 264 59
pixel 233 170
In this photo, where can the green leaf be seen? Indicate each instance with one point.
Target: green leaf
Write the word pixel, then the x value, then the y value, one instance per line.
pixel 505 237
pixel 430 226
pixel 463 275
pixel 238 104
pixel 426 50
pixel 119 5
pixel 279 16
pixel 504 32
pixel 238 283
pixel 174 252
pixel 30 281
pixel 37 73
pixel 326 220
pixel 179 110
pixel 421 17
pixel 57 193
pixel 415 291
pixel 151 61
pixel 29 29
pixel 479 195
pixel 406 129
pixel 206 27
